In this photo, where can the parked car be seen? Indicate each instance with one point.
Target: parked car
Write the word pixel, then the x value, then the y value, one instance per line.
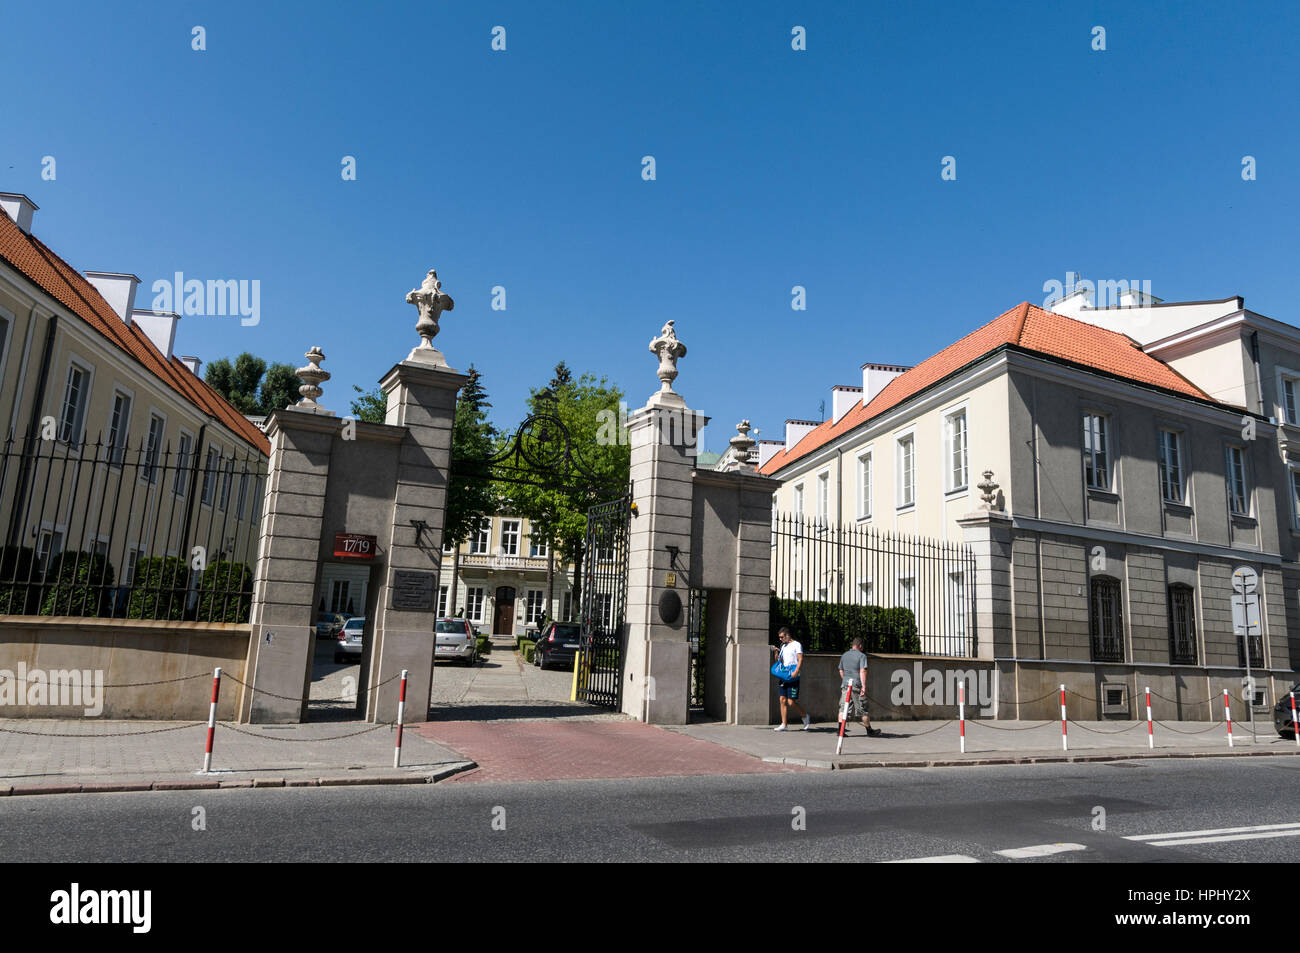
pixel 455 640
pixel 558 644
pixel 1282 713
pixel 350 640
pixel 329 623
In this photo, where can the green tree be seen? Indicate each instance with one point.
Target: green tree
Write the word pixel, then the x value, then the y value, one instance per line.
pixel 251 386
pixel 370 406
pixel 471 494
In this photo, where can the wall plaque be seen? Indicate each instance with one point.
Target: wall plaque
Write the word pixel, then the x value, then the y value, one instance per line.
pixel 354 546
pixel 412 590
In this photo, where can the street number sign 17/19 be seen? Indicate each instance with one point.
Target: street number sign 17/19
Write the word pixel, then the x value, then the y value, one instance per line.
pixel 354 546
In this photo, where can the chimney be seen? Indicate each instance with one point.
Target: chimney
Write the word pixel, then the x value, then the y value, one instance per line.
pixel 20 208
pixel 117 289
pixel 1136 298
pixel 159 327
pixel 767 449
pixel 1076 302
pixel 796 430
pixel 844 397
pixel 193 363
pixel 876 376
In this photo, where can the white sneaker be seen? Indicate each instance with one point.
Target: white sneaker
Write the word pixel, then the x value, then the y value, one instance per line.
pixel 807 720
pixel 779 728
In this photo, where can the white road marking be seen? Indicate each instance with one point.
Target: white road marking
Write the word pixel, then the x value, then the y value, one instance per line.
pixel 941 859
pixel 1039 850
pixel 1218 834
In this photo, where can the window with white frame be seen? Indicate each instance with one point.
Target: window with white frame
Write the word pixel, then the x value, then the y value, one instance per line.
pixel 339 595
pixel 864 486
pixel 823 499
pixel 210 466
pixel 957 602
pixel 76 394
pixel 119 427
pixel 133 557
pixel 227 476
pixel 537 547
pixel 443 594
pixel 1171 466
pixel 152 448
pixel 1295 497
pixel 534 606
pixel 1238 492
pixel 798 500
pixel 48 545
pixel 242 499
pixel 1287 393
pixel 181 482
pixel 510 537
pixel 955 451
pixel 481 538
pixel 474 600
pixel 864 592
pixel 906 471
pixel 566 607
pixel 907 592
pixel 1096 451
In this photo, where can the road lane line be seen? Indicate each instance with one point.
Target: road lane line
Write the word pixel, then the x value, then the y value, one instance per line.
pixel 1039 850
pixel 1224 839
pixel 1214 833
pixel 941 859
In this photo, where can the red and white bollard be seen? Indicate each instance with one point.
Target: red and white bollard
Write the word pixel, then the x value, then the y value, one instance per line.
pixel 1151 732
pixel 961 712
pixel 1065 746
pixel 1227 713
pixel 212 720
pixel 401 714
pixel 1295 725
pixel 844 715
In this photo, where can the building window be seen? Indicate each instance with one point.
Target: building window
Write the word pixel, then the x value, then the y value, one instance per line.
pixel 955 439
pixel 1096 451
pixel 566 604
pixel 957 603
pixel 339 596
pixel 537 548
pixel 156 426
pixel 119 427
pixel 48 545
pixel 534 607
pixel 480 540
pixel 474 603
pixel 798 500
pixel 907 593
pixel 864 486
pixel 510 537
pixel 75 396
pixel 1238 494
pixel 442 601
pixel 1171 466
pixel 1289 401
pixel 226 477
pixel 1106 621
pixel 1256 651
pixel 1182 625
pixel 210 476
pixel 864 592
pixel 1295 496
pixel 823 500
pixel 180 485
pixel 242 499
pixel 906 471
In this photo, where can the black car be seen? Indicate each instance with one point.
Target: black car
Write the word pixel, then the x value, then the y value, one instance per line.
pixel 1282 713
pixel 558 644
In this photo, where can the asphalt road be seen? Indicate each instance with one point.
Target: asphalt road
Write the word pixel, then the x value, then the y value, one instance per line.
pixel 863 815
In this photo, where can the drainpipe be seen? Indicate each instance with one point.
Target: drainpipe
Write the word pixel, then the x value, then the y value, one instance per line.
pixel 24 470
pixel 1259 383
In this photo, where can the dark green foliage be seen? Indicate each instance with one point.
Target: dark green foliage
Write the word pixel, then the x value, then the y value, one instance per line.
pixel 251 386
pixel 371 406
pixel 160 588
pixel 78 583
pixel 831 626
pixel 16 597
pixel 225 592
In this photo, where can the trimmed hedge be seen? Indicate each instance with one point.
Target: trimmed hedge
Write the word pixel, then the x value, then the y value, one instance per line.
pixel 17 597
pixel 831 626
pixel 484 644
pixel 527 647
pixel 78 584
pixel 225 592
pixel 160 588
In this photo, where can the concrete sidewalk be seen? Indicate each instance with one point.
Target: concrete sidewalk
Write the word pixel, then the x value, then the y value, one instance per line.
pixel 46 756
pixel 935 743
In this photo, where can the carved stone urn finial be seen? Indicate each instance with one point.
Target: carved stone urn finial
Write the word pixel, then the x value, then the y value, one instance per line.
pixel 742 442
pixel 668 349
pixel 312 377
pixel 431 302
pixel 988 491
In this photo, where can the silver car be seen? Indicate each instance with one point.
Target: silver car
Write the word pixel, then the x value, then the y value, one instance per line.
pixel 455 640
pixel 350 642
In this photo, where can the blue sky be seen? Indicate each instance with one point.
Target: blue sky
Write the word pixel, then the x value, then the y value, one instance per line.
pixel 775 168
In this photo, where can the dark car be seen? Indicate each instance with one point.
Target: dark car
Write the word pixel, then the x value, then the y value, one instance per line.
pixel 1282 713
pixel 557 645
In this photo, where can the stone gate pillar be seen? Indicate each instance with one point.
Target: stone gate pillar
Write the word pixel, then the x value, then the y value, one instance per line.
pixel 988 532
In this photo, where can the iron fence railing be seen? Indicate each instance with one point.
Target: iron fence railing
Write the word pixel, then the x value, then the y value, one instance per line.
pixel 143 532
pixel 819 561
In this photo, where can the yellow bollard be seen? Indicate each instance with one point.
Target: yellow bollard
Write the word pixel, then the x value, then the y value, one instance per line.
pixel 579 675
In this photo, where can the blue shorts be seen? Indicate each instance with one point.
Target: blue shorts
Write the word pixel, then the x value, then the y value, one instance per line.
pixel 788 690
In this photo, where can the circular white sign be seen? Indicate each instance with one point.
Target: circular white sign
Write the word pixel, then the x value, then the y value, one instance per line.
pixel 1244 580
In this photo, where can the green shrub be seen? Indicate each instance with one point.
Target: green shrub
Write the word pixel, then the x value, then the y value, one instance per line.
pixel 78 583
pixel 225 592
pixel 527 647
pixel 160 588
pixel 16 596
pixel 831 626
pixel 484 644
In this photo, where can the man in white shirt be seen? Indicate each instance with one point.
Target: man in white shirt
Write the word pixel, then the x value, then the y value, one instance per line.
pixel 788 689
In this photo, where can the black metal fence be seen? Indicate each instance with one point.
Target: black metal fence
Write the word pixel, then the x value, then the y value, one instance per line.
pixel 817 561
pixel 143 532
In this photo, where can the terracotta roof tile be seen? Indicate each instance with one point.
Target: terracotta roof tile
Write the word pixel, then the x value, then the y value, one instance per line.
pixel 1024 326
pixel 30 256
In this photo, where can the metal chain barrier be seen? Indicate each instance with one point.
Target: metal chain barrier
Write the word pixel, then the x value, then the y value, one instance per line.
pixel 917 734
pixel 1098 731
pixel 353 734
pixel 989 724
pixel 287 698
pixel 1198 731
pixel 164 681
pixel 99 734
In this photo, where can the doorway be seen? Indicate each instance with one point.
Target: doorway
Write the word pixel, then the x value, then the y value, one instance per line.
pixel 503 616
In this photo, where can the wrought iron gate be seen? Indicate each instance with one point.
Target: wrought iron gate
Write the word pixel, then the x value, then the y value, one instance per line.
pixel 697 635
pixel 604 598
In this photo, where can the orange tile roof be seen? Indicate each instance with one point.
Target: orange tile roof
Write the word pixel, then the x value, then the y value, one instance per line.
pixel 30 256
pixel 1025 326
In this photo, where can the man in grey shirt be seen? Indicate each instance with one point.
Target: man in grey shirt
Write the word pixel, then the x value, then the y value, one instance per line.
pixel 853 671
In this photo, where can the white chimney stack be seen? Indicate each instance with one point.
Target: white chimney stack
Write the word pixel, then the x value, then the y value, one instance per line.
pixel 117 289
pixel 875 377
pixel 19 208
pixel 844 397
pixel 796 430
pixel 159 327
pixel 193 363
pixel 767 449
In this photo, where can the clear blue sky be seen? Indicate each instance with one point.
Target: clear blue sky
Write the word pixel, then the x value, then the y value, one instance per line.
pixel 775 168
